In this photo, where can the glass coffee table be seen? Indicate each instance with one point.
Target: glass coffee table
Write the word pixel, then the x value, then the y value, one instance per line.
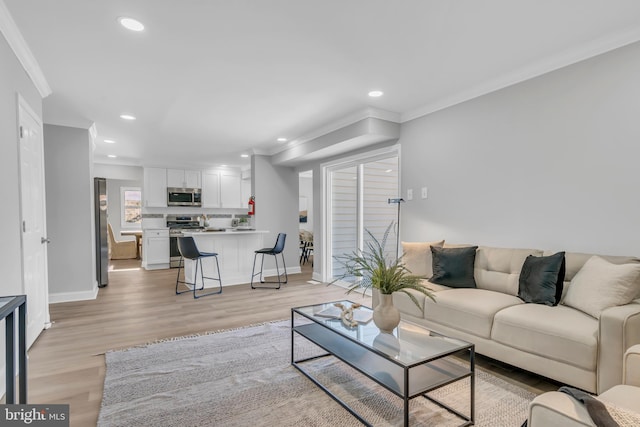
pixel 410 363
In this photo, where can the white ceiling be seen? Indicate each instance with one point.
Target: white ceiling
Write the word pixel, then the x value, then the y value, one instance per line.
pixel 211 79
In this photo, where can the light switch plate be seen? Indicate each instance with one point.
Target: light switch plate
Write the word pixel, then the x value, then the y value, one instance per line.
pixel 424 192
pixel 410 194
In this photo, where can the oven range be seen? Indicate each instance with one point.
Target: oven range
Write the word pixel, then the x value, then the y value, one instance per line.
pixel 176 224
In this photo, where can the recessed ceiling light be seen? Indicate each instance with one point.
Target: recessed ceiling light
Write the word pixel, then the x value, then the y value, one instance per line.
pixel 282 140
pixel 109 141
pixel 127 117
pixel 131 24
pixel 244 155
pixel 376 93
pixel 113 156
pixel 223 166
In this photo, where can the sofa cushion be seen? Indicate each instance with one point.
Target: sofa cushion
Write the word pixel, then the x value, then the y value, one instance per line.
pixel 498 269
pixel 600 284
pixel 417 257
pixel 541 279
pixel 454 266
pixel 575 260
pixel 468 310
pixel 559 333
pixel 403 303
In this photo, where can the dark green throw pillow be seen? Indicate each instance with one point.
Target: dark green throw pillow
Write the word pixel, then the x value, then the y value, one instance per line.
pixel 542 279
pixel 454 266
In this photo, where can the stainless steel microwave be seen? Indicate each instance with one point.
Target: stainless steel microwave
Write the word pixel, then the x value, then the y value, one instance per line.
pixel 184 196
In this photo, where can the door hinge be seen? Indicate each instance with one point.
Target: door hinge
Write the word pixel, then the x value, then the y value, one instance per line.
pixel 21 132
pixel 24 226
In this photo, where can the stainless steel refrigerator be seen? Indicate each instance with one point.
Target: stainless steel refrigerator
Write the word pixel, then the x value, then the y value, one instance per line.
pixel 102 248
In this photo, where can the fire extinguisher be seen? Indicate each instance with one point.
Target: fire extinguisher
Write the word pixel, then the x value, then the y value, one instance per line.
pixel 252 205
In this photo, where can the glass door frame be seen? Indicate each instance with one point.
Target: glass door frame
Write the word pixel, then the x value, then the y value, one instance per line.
pixel 326 223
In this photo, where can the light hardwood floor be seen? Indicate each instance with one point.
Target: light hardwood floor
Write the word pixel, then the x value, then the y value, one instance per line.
pixel 67 365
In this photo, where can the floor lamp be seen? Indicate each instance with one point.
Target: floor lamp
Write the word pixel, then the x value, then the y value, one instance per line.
pixel 397 202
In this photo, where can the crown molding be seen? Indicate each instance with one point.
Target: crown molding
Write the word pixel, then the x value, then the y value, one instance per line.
pixel 352 118
pixel 552 63
pixel 260 152
pixel 93 131
pixel 20 48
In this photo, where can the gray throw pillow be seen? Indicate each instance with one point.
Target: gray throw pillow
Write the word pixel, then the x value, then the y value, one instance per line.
pixel 542 278
pixel 454 267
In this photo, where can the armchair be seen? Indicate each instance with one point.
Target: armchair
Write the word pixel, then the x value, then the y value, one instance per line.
pixel 123 249
pixel 561 410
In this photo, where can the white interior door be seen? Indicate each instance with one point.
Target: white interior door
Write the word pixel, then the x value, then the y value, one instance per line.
pixel 33 225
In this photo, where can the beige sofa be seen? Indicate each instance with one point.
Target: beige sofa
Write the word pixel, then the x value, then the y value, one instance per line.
pixel 558 342
pixel 559 409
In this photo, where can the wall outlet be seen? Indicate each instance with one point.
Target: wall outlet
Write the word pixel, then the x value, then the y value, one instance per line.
pixel 424 192
pixel 410 194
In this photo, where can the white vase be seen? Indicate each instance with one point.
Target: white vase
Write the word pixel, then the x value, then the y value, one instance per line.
pixel 385 315
pixel 387 343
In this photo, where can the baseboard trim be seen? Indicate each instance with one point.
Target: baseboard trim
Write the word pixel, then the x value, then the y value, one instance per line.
pixel 57 297
pixel 273 271
pixel 155 266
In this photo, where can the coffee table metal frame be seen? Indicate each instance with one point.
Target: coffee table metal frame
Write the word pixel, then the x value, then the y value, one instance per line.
pixel 422 368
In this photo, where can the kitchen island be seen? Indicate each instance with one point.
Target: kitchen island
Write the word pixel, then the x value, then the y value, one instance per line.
pixel 235 249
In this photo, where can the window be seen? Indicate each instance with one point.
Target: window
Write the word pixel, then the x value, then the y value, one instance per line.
pixel 130 207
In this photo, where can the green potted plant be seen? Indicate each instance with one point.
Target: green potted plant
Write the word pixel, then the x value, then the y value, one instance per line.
pixel 386 274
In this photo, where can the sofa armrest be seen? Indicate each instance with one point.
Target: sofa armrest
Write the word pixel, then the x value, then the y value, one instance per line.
pixel 632 366
pixel 619 329
pixel 557 409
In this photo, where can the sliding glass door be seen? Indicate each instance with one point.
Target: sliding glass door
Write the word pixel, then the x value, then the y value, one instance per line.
pixel 344 214
pixel 358 194
pixel 380 180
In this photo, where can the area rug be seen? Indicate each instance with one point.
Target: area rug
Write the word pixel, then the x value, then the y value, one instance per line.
pixel 244 377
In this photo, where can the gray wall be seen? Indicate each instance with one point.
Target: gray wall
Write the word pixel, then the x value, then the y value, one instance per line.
pixel 276 191
pixel 13 81
pixel 131 173
pixel 69 185
pixel 114 204
pixel 118 176
pixel 550 163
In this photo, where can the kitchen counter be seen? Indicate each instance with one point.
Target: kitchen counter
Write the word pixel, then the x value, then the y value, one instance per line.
pixel 235 249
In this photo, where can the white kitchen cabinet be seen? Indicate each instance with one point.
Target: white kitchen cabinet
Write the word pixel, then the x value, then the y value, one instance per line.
pixel 155 248
pixel 175 178
pixel 192 179
pixel 211 189
pixel 155 187
pixel 230 190
pixel 181 178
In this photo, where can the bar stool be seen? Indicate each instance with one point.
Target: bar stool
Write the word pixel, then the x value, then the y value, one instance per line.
pixel 277 249
pixel 188 249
